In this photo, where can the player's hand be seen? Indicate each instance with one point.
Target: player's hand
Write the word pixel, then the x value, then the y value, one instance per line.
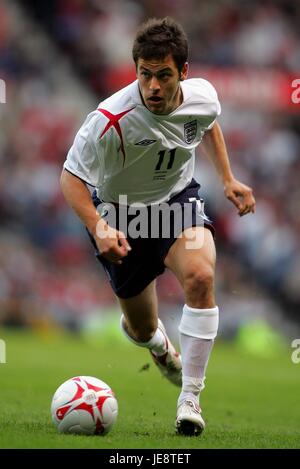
pixel 111 243
pixel 241 196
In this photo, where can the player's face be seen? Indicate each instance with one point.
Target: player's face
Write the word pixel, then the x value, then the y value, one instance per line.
pixel 159 82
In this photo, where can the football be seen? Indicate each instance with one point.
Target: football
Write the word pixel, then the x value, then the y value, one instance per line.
pixel 84 405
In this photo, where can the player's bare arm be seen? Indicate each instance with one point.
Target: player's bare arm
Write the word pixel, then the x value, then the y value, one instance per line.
pixel 239 194
pixel 111 243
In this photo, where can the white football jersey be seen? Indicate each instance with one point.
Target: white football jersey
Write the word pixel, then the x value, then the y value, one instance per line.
pixel 124 149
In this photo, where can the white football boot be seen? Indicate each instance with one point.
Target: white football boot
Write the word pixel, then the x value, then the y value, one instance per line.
pixel 189 420
pixel 169 363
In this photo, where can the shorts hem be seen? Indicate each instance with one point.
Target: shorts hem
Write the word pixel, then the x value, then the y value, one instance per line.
pixel 209 226
pixel 125 296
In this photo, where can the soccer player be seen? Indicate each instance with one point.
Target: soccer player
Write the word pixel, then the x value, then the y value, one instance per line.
pixel 140 143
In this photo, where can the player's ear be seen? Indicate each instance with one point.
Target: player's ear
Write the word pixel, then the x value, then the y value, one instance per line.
pixel 184 72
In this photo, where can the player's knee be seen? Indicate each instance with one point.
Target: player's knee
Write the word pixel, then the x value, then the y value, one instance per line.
pixel 199 283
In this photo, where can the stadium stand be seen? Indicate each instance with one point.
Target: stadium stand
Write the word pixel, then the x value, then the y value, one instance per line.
pixel 59 59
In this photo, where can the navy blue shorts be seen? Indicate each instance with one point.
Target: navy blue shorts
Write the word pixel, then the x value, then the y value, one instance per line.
pixel 146 259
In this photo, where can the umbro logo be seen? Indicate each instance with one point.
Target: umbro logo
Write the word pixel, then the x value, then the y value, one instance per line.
pixel 145 142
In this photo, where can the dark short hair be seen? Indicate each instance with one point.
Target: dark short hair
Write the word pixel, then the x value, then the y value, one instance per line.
pixel 157 38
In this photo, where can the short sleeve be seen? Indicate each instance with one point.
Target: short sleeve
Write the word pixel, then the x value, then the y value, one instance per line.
pixel 85 158
pixel 215 103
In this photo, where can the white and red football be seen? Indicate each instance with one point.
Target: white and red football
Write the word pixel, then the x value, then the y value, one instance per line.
pixel 84 405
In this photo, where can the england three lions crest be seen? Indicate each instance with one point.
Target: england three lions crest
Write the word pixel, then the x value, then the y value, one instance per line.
pixel 190 131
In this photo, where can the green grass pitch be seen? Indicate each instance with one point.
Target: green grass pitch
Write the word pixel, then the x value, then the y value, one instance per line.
pixel 248 402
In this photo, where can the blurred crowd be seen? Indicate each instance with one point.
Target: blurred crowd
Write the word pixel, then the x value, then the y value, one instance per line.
pixel 98 35
pixel 58 59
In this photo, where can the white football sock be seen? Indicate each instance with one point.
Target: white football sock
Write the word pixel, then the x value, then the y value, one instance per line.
pixel 198 328
pixel 157 344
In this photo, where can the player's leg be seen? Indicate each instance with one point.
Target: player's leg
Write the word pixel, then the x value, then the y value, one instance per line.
pixel 194 268
pixel 140 314
pixel 141 325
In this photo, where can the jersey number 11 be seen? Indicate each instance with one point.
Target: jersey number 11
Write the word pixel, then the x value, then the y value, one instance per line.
pixel 171 159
